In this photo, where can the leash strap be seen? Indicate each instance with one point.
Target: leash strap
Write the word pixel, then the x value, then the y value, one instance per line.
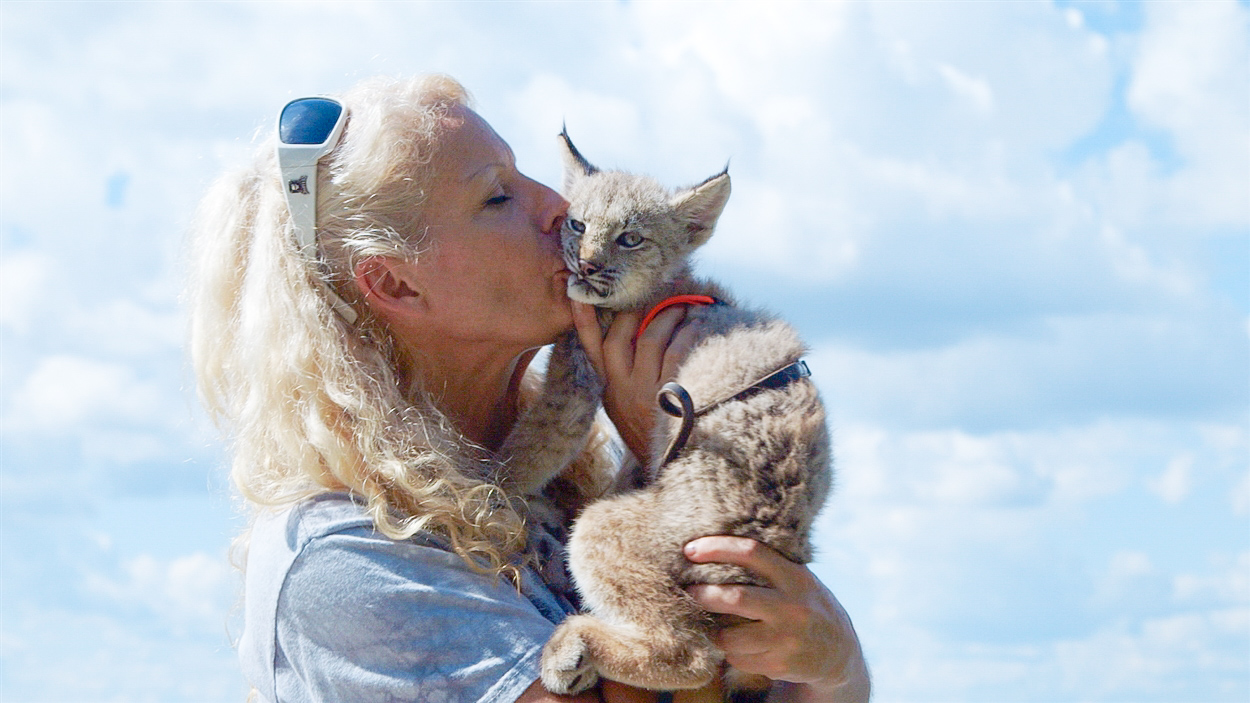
pixel 676 401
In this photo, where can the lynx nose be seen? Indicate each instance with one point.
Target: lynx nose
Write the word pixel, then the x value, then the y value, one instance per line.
pixel 588 268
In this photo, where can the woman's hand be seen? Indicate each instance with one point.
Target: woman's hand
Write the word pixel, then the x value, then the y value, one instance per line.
pixel 801 634
pixel 634 372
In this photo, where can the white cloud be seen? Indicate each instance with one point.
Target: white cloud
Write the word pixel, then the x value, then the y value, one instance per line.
pixel 194 590
pixel 1240 495
pixel 1078 369
pixel 64 393
pixel 975 90
pixel 1176 480
pixel 1028 56
pixel 1129 565
pixel 1190 76
pixel 127 328
pixel 968 470
pixel 23 277
pixel 740 43
pixel 1228 585
pixel 1130 583
pixel 111 657
pixel 1191 72
pixel 1155 658
pixel 123 447
pixel 949 547
pixel 602 124
pixel 770 227
pixel 1184 657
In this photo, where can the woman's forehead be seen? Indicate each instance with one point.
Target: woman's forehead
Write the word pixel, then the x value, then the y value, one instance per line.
pixel 469 147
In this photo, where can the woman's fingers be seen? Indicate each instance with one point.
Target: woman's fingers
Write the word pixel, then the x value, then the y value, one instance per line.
pixel 679 347
pixel 750 602
pixel 589 333
pixel 747 639
pixel 653 345
pixel 618 350
pixel 789 638
pixel 747 553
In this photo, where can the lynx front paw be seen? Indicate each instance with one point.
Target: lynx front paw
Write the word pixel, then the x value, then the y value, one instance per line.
pixel 567 667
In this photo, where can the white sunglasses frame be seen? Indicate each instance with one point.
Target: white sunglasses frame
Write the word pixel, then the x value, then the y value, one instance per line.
pixel 298 165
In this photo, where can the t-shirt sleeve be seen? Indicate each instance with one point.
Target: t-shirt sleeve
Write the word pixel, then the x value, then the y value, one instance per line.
pixel 364 618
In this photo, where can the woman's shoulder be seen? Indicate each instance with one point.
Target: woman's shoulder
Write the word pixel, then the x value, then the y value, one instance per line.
pixel 296 526
pixel 335 610
pixel 328 547
pixel 327 533
pixel 326 512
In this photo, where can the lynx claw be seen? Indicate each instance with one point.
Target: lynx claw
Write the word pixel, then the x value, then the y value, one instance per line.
pixel 567 668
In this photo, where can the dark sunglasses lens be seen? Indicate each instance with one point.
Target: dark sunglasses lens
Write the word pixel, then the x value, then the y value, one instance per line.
pixel 308 121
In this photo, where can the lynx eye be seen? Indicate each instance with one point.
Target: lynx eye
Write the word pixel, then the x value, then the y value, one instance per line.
pixel 629 240
pixel 577 225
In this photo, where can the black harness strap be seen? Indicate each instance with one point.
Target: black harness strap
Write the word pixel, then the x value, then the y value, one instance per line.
pixel 675 401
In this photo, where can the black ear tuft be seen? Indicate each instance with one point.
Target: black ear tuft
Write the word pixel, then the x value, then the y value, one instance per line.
pixel 709 179
pixel 574 157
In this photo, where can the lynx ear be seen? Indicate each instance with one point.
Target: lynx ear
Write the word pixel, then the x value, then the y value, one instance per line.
pixel 575 165
pixel 699 207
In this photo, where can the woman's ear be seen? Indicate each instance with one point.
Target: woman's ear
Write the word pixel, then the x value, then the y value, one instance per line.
pixel 388 285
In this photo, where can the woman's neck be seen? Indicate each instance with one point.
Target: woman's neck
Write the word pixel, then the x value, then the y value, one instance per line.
pixel 476 389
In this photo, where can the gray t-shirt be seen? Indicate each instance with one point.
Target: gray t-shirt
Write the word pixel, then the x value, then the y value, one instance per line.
pixel 335 611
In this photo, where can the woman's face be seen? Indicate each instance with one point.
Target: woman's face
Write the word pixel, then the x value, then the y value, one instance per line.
pixel 492 270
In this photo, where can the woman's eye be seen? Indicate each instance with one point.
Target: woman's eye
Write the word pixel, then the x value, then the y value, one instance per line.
pixel 629 240
pixel 499 200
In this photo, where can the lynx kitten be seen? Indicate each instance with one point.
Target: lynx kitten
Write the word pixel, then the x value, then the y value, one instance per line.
pixel 755 460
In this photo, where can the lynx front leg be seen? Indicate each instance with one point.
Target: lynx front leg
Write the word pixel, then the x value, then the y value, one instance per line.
pixel 552 431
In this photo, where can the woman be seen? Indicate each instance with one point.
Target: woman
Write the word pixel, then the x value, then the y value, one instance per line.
pixel 367 374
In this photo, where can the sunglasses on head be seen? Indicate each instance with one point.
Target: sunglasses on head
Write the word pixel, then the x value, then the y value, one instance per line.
pixel 308 129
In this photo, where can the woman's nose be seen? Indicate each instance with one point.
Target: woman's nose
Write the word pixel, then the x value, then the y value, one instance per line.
pixel 552 209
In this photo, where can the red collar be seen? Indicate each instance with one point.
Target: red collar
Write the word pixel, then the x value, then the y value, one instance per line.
pixel 670 302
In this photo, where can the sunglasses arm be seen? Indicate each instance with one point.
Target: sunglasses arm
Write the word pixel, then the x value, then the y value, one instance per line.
pixel 298 164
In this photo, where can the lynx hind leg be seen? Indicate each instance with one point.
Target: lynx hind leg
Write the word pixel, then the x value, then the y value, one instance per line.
pixel 567 668
pixel 643 629
pixel 654 656
pixel 554 429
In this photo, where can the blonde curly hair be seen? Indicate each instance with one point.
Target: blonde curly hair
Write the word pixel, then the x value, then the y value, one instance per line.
pixel 312 403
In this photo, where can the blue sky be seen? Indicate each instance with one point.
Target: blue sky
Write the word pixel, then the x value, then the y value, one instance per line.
pixel 1016 235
